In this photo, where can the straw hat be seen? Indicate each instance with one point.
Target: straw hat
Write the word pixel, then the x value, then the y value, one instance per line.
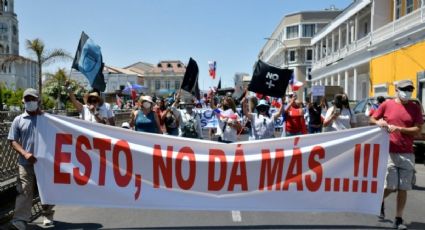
pixel 146 98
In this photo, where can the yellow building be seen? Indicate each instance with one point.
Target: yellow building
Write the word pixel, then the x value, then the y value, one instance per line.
pixel 404 63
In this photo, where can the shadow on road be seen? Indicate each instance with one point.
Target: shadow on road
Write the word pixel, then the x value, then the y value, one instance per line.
pixel 65 225
pixel 268 227
pixel 419 188
pixel 416 225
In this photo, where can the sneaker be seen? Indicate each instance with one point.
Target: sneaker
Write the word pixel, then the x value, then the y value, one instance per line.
pixel 382 215
pixel 398 223
pixel 19 224
pixel 48 220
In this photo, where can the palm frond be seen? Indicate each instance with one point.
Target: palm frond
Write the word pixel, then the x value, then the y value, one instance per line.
pixel 36 46
pixel 55 55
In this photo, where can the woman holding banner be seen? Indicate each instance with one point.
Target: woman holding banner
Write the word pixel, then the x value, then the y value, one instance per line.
pixel 262 123
pixel 145 119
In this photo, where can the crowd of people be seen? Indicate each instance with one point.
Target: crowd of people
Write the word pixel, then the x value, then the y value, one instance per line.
pixel 177 116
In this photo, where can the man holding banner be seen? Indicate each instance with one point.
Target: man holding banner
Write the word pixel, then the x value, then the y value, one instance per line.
pixel 22 138
pixel 403 119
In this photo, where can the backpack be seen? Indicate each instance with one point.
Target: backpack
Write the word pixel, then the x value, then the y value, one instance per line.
pixel 189 129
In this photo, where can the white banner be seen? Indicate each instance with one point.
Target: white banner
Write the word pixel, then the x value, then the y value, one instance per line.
pixel 82 163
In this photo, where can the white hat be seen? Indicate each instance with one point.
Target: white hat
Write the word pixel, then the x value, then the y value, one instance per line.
pixel 125 125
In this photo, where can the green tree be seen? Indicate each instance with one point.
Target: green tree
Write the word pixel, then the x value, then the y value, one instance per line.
pixel 54 88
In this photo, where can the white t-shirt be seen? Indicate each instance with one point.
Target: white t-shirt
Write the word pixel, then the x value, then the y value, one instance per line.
pixel 229 133
pixel 184 117
pixel 262 127
pixel 89 116
pixel 342 121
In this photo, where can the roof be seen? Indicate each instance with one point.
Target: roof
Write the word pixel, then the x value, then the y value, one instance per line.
pixel 173 66
pixel 140 67
pixel 118 70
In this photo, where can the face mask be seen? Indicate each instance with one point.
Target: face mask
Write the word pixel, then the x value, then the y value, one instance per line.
pixel 225 107
pixel 147 105
pixel 31 106
pixel 404 95
pixel 189 107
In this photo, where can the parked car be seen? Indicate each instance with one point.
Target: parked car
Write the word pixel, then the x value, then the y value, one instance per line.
pixel 363 120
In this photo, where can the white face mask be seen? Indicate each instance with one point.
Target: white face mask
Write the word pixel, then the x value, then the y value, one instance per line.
pixel 31 106
pixel 404 95
pixel 146 105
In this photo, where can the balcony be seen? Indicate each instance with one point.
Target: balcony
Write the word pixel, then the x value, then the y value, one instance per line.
pixel 379 35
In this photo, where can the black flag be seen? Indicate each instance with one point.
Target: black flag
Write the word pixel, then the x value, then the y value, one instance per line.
pixel 190 76
pixel 219 84
pixel 88 60
pixel 269 80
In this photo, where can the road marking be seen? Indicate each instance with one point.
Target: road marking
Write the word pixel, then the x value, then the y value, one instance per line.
pixel 236 216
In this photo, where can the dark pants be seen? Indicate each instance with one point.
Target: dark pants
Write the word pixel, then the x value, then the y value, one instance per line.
pixel 312 129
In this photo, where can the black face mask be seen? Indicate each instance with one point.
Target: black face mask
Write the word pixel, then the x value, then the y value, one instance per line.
pixel 163 107
pixel 261 110
pixel 226 107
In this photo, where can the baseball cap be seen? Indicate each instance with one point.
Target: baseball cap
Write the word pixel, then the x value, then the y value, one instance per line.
pixel 31 92
pixel 405 83
pixel 125 125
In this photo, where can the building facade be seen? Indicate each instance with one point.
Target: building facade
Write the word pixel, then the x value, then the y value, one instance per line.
pixel 23 72
pixel 289 46
pixel 370 46
pixel 166 77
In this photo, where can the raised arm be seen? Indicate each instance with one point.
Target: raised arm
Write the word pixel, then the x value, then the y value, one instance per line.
pixel 282 108
pixel 72 97
pixel 245 111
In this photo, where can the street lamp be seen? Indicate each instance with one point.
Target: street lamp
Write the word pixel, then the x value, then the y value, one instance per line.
pixel 285 61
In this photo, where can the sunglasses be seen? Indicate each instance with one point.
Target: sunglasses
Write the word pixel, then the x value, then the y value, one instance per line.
pixel 92 101
pixel 407 89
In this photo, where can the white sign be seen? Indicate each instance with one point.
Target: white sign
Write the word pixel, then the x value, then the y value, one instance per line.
pixel 82 163
pixel 318 90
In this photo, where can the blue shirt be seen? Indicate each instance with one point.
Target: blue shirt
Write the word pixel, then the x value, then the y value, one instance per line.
pixel 23 131
pixel 146 123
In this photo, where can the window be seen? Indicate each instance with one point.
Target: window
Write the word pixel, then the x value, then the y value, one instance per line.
pixel 309 30
pixel 308 73
pixel 291 32
pixel 169 65
pixel 177 84
pixel 157 84
pixel 159 65
pixel 167 84
pixel 409 6
pixel 366 29
pixel 398 9
pixel 292 56
pixel 381 90
pixel 360 107
pixel 309 55
pixel 179 65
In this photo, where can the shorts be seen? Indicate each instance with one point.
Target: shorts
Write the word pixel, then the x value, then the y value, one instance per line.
pixel 400 171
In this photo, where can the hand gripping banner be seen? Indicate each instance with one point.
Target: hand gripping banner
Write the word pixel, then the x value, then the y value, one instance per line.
pixel 81 163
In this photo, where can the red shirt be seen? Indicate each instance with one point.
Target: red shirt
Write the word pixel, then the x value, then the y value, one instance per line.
pixel 407 115
pixel 295 122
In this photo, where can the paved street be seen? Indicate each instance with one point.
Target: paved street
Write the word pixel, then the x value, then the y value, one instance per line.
pixel 108 218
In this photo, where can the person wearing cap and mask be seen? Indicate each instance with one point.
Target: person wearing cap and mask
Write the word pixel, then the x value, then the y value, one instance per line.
pixel 145 119
pixel 262 123
pixel 403 120
pixel 188 119
pixel 22 137
pixel 91 111
pixel 105 106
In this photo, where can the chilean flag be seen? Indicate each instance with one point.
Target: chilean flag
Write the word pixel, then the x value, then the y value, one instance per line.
pixel 212 68
pixel 295 85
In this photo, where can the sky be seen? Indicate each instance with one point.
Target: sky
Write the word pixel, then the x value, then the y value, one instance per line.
pixel 230 32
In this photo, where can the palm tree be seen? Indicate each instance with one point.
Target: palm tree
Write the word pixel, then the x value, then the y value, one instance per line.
pixel 44 57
